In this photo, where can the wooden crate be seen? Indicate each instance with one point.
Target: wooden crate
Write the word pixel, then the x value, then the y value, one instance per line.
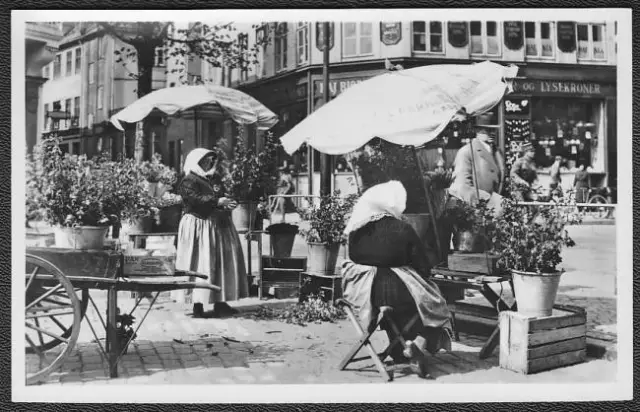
pixel 473 262
pixel 280 277
pixel 529 345
pixel 330 287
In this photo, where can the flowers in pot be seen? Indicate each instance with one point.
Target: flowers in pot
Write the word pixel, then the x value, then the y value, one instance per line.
pixel 282 238
pixel 529 241
pixel 324 233
pixel 468 224
pixel 159 176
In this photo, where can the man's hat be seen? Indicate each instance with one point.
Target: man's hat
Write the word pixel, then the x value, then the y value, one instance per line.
pixel 486 121
pixel 526 147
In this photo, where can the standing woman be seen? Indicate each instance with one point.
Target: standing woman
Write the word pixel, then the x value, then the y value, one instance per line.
pixel 207 240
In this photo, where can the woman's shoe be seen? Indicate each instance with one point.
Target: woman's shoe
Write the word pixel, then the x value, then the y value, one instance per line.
pixel 222 309
pixel 417 357
pixel 198 310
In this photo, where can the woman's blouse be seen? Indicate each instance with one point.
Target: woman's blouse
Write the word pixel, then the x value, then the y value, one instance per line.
pixel 200 196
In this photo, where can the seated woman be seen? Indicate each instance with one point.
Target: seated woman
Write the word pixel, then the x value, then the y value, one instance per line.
pixel 388 267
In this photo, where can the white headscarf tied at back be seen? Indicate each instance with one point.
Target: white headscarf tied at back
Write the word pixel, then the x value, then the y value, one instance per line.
pixel 385 199
pixel 191 163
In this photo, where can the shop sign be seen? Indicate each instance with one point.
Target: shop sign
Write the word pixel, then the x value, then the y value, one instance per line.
pixel 337 86
pixel 552 87
pixel 320 35
pixel 513 35
pixel 567 36
pixel 390 33
pixel 515 105
pixel 458 36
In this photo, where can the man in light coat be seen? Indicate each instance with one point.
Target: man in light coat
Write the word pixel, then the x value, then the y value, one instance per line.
pixel 488 162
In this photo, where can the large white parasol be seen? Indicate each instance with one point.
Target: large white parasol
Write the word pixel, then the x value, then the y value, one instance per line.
pixel 408 107
pixel 199 102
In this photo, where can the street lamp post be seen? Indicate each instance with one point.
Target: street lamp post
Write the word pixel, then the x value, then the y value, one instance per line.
pixel 325 160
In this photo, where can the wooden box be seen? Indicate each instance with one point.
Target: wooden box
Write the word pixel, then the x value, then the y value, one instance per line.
pixel 529 345
pixel 480 263
pixel 280 276
pixel 328 287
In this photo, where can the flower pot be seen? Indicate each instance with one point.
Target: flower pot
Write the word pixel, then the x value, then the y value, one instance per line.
pixel 282 237
pixel 535 293
pixel 169 218
pixel 243 216
pixel 140 225
pixel 322 258
pixel 81 237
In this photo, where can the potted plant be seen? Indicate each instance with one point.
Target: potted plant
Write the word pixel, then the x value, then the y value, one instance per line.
pixel 159 176
pixel 73 197
pixel 324 233
pixel 282 237
pixel 124 331
pixel 529 241
pixel 468 225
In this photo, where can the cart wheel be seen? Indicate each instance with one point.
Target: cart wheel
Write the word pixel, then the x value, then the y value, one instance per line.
pixel 52 318
pixel 599 212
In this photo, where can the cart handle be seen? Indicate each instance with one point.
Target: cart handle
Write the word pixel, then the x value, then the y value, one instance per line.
pixel 190 274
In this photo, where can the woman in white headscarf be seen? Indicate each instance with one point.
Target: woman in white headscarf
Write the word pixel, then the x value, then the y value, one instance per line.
pixel 388 266
pixel 207 240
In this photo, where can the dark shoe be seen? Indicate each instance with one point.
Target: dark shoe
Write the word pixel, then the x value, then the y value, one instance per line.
pixel 222 309
pixel 417 358
pixel 198 310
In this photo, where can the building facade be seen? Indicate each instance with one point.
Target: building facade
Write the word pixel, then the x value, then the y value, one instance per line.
pixel 564 99
pixel 41 44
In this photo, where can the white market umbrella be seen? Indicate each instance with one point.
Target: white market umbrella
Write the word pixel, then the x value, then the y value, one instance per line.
pixel 407 107
pixel 199 102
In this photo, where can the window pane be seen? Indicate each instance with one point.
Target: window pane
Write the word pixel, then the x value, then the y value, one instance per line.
pixel 419 43
pixel 436 43
pixel 529 30
pixel 492 28
pixel 366 29
pixel 531 47
pixel 349 29
pixel 583 49
pixel 582 32
pixel 419 27
pixel 435 27
pixel 349 47
pixel 547 47
pixel 597 32
pixel 492 45
pixel 476 28
pixel 598 50
pixel 76 107
pixel 476 44
pixel 78 57
pixel 366 47
pixel 69 63
pixel 545 30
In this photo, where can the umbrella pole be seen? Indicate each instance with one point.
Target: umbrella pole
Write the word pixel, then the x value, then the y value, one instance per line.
pixel 427 198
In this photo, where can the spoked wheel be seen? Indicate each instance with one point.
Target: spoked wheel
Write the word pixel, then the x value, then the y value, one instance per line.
pixel 599 212
pixel 53 314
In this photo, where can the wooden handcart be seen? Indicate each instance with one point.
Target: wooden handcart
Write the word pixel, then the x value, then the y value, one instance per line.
pixel 57 295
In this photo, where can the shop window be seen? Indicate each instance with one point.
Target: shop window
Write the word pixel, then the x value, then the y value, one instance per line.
pixel 571 128
pixel 100 96
pixel 75 148
pixel 68 62
pixel 92 73
pixel 428 36
pixel 78 59
pixel 357 39
pixel 281 46
pixel 56 66
pixel 160 60
pixel 302 42
pixel 538 41
pixel 591 44
pixel 484 38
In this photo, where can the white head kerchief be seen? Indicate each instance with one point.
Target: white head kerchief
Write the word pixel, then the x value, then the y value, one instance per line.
pixel 192 160
pixel 385 199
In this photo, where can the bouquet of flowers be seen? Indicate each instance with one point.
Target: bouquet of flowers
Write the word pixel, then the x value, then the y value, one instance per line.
pixel 155 171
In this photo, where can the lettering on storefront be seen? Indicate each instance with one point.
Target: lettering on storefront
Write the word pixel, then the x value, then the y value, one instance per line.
pixel 337 86
pixel 513 35
pixel 563 87
pixel 517 106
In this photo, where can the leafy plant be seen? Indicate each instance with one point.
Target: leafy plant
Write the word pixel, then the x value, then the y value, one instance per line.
pixel 124 327
pixel 531 239
pixel 155 171
pixel 313 310
pixel 328 219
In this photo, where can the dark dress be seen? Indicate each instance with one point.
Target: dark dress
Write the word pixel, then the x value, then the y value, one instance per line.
pixel 391 243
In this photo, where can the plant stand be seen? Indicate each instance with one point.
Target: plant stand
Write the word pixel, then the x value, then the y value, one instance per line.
pixel 280 277
pixel 328 287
